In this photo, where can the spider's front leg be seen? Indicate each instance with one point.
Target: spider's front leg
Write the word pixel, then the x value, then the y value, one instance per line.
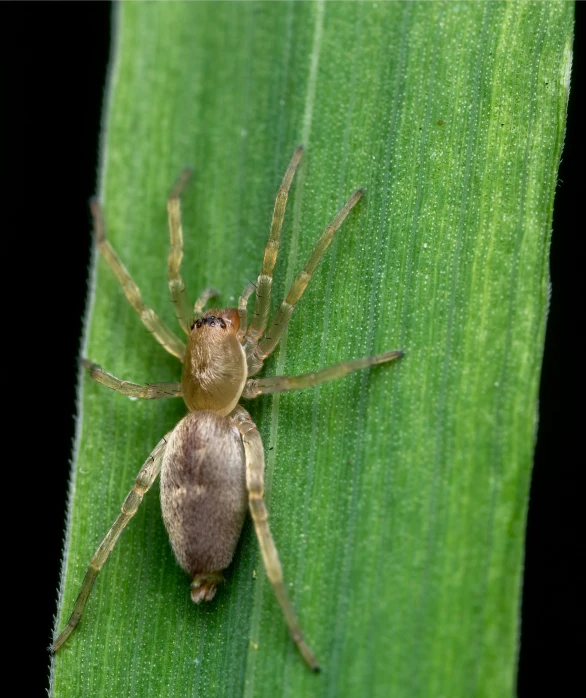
pixel 149 318
pixel 281 318
pixel 254 455
pixel 262 304
pixel 176 285
pixel 258 342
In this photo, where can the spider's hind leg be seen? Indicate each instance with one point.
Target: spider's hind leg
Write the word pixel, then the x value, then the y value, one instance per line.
pixel 147 475
pixel 254 454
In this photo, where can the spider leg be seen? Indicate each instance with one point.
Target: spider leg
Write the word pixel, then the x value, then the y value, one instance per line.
pixel 243 310
pixel 148 316
pixel 280 384
pixel 282 316
pixel 254 454
pixel 204 297
pixel 147 475
pixel 176 285
pixel 262 303
pixel 152 391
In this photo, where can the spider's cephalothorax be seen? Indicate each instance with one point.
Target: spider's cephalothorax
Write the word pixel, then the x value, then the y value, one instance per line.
pixel 214 368
pixel 212 462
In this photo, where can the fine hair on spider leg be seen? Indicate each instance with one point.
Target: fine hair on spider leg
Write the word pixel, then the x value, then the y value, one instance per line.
pixel 212 462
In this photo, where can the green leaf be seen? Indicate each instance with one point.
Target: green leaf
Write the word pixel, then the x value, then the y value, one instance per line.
pixel 397 495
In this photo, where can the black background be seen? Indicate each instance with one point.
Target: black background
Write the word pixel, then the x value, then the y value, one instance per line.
pixel 61 76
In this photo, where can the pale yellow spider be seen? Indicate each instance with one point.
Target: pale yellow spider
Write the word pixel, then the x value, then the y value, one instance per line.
pixel 212 462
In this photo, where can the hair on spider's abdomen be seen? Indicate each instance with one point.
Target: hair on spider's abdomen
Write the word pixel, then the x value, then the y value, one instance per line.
pixel 203 492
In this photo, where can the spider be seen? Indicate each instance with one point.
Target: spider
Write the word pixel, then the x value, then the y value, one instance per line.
pixel 212 462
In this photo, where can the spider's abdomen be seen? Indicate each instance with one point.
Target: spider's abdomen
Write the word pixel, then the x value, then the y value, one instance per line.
pixel 203 496
pixel 214 369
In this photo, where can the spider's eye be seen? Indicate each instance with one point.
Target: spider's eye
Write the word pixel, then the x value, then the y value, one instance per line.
pixel 211 320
